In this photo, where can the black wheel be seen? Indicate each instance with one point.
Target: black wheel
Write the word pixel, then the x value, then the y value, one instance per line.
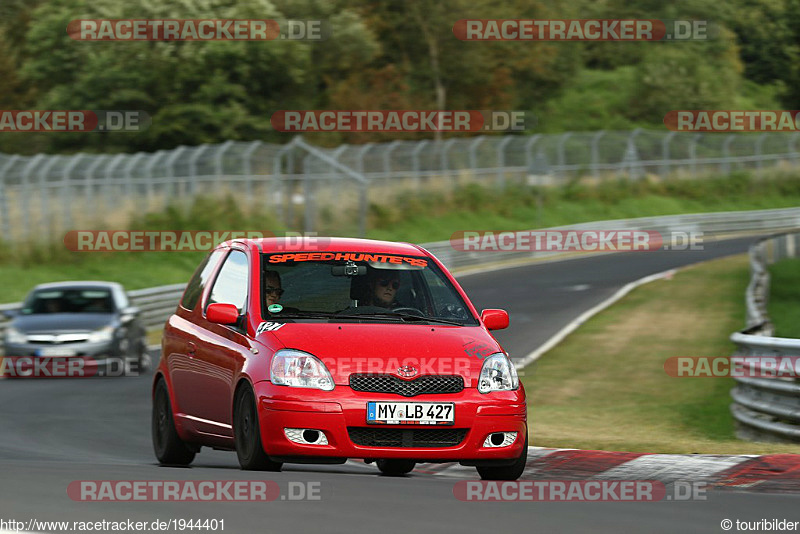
pixel 506 472
pixel 248 434
pixel 395 467
pixel 170 449
pixel 144 359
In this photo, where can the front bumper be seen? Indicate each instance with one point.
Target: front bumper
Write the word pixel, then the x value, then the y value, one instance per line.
pixel 334 412
pixel 97 351
pixel 74 360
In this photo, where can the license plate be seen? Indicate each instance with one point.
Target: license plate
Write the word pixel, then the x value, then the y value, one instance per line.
pixel 55 352
pixel 411 413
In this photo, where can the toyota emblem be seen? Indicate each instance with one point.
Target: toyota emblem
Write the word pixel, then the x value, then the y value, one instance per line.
pixel 407 371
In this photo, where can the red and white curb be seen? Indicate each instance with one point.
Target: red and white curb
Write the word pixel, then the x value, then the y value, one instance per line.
pixel 771 472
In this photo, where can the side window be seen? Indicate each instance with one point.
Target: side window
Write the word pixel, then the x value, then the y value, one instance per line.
pixel 231 284
pixel 198 282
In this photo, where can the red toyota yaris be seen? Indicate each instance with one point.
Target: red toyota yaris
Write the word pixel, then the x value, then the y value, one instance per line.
pixel 316 350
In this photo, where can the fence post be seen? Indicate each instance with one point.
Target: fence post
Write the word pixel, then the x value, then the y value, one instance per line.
pixel 247 167
pixel 135 158
pixel 415 167
pixel 150 190
pixel 26 194
pixel 562 156
pixel 693 154
pixel 529 159
pixel 308 196
pixel 596 153
pixel 665 161
pixel 88 183
pixel 387 157
pixel 444 159
pixel 793 148
pixel 192 185
pixel 759 143
pixel 501 160
pixel 5 219
pixel 277 171
pixel 66 188
pixel 218 159
pixel 44 192
pixel 108 197
pixel 473 148
pixel 726 154
pixel 170 163
pixel 632 156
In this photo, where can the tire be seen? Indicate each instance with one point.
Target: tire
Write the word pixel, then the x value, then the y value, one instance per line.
pixel 506 472
pixel 395 467
pixel 144 359
pixel 247 434
pixel 170 449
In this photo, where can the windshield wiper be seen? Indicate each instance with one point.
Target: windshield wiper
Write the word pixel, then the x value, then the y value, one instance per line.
pixel 369 316
pixel 407 317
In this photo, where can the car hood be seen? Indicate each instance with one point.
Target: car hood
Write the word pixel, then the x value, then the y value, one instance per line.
pixel 381 348
pixel 61 323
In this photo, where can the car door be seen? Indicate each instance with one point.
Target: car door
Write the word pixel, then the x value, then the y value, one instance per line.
pixel 181 337
pixel 220 348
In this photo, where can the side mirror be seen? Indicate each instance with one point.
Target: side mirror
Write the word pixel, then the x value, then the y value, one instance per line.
pixel 126 314
pixel 495 319
pixel 9 314
pixel 222 313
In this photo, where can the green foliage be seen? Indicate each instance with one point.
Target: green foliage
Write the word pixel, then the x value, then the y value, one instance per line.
pixel 386 55
pixel 784 297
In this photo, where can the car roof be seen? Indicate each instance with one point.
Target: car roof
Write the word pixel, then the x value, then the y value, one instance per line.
pixel 333 244
pixel 79 284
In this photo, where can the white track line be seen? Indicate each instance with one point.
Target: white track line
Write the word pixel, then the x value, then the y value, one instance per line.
pixel 588 314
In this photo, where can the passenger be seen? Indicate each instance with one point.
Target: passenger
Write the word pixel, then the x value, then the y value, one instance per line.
pixel 383 286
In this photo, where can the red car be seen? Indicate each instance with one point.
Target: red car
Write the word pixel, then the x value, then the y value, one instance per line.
pixel 318 350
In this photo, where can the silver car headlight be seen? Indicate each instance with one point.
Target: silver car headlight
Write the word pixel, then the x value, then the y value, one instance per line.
pixel 15 336
pixel 497 374
pixel 104 334
pixel 295 368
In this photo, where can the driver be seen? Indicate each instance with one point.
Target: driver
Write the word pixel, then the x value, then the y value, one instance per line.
pixel 383 286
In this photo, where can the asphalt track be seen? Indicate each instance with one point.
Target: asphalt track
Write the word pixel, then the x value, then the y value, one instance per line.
pixel 56 431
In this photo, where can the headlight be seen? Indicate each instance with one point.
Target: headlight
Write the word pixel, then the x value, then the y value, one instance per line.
pixel 299 369
pixel 15 336
pixel 498 374
pixel 104 334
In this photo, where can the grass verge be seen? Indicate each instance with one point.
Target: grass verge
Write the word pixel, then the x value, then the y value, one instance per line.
pixel 784 297
pixel 416 218
pixel 604 387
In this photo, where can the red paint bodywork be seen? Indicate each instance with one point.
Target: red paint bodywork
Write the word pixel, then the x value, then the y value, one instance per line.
pixel 203 363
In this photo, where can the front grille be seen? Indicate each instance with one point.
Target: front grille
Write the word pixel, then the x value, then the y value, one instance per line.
pixel 401 437
pixel 407 388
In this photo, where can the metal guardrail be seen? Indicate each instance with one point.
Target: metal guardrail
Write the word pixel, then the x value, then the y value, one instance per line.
pixel 158 303
pixel 766 409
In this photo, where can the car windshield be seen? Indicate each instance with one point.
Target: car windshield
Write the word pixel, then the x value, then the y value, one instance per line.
pixel 72 300
pixel 346 286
